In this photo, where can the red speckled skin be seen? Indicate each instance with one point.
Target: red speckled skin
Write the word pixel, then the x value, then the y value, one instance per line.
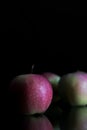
pixel 38 123
pixel 34 93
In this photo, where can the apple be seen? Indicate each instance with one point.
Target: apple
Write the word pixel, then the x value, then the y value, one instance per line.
pixel 32 92
pixel 73 88
pixel 77 119
pixel 54 80
pixel 37 123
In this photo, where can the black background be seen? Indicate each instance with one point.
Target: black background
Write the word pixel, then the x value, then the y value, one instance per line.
pixel 42 33
pixel 35 35
pixel 46 35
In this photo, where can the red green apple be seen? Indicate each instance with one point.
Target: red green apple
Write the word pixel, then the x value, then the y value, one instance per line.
pixel 73 88
pixel 33 93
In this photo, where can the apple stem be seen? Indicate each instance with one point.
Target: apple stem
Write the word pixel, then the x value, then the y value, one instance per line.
pixel 32 69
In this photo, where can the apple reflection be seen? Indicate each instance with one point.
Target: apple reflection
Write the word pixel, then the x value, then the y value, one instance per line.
pixel 56 125
pixel 77 119
pixel 37 123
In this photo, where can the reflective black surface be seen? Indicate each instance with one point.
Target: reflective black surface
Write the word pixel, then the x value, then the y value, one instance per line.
pixel 58 117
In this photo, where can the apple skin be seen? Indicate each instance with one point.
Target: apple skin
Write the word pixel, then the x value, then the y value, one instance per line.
pixel 54 80
pixel 73 88
pixel 77 119
pixel 37 123
pixel 33 93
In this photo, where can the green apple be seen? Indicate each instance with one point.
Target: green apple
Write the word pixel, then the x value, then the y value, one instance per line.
pixel 54 80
